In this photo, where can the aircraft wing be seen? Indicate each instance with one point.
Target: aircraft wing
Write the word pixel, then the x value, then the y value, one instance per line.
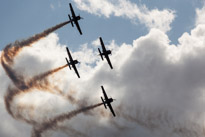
pixel 102 44
pixel 78 26
pixel 109 105
pixel 76 71
pixel 109 62
pixel 71 9
pixel 105 95
pixel 69 55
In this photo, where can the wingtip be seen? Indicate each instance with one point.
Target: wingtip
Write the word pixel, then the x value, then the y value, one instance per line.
pixel 100 39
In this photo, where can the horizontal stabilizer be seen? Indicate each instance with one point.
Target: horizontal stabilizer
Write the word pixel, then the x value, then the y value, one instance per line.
pixel 103 103
pixel 100 54
pixel 71 21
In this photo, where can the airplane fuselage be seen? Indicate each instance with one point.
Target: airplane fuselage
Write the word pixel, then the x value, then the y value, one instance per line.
pixel 76 18
pixel 109 101
pixel 107 52
pixel 74 62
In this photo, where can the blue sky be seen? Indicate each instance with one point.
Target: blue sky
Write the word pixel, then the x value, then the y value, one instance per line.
pixel 21 19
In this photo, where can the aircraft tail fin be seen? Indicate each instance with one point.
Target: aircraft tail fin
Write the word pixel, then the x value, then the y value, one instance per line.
pixel 68 63
pixel 104 103
pixel 71 20
pixel 100 54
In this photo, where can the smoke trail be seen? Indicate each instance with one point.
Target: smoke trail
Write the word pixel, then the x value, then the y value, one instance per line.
pixel 11 50
pixel 72 131
pixel 186 131
pixel 23 86
pixel 35 133
pixel 67 130
pixel 158 120
pixel 8 100
pixel 118 126
pixel 40 80
pixel 53 122
pixel 72 99
pixel 16 79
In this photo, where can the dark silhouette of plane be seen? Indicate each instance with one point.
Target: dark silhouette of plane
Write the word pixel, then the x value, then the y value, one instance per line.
pixel 107 101
pixel 105 53
pixel 72 62
pixel 74 19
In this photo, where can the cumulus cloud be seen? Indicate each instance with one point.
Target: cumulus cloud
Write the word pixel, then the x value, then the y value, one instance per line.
pixel 200 16
pixel 158 86
pixel 160 19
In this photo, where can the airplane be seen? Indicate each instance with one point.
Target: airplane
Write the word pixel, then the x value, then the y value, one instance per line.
pixel 72 62
pixel 75 19
pixel 105 53
pixel 107 101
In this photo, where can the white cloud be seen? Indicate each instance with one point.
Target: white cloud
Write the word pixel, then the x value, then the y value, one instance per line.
pixel 153 90
pixel 96 43
pixel 160 19
pixel 200 16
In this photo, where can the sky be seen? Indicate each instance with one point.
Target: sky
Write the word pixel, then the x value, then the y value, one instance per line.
pixel 20 20
pixel 158 51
